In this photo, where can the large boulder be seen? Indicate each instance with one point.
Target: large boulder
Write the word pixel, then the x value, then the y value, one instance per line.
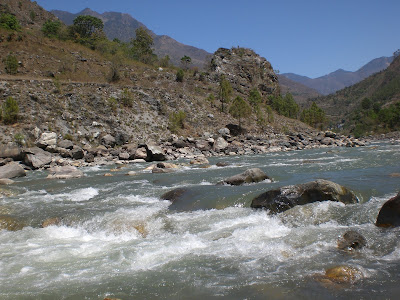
pixel 77 152
pixel 389 214
pixel 64 172
pixel 47 139
pixel 108 140
pixel 37 158
pixel 286 197
pixel 11 152
pixel 249 176
pixel 141 153
pixel 155 153
pixel 220 144
pixel 12 170
pixel 66 144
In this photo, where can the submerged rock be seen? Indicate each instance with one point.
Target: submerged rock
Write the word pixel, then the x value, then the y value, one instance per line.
pixel 343 274
pixel 351 240
pixel 65 172
pixel 389 214
pixel 249 176
pixel 12 170
pixel 52 222
pixel 286 197
pixel 10 223
pixel 6 181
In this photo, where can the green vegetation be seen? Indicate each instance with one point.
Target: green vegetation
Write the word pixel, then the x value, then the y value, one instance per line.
pixel 141 46
pixel 127 99
pixel 179 75
pixel 52 29
pixel 9 22
pixel 19 139
pixel 176 121
pixel 285 106
pixel 255 98
pixel 186 61
pixel 240 109
pixel 10 111
pixel 225 92
pixel 313 116
pixel 11 64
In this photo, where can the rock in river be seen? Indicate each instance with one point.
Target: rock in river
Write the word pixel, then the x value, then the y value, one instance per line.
pixel 12 170
pixel 351 240
pixel 286 197
pixel 65 172
pixel 389 214
pixel 249 176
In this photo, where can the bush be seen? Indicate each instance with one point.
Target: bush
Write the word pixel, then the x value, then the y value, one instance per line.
pixel 9 22
pixel 179 75
pixel 11 64
pixel 10 111
pixel 176 121
pixel 51 29
pixel 127 99
pixel 19 139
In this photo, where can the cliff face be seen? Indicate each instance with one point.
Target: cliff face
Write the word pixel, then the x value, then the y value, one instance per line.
pixel 245 70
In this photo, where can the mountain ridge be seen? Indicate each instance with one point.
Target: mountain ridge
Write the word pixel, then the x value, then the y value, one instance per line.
pixel 339 79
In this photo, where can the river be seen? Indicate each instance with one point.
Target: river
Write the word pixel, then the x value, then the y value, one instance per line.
pixel 117 238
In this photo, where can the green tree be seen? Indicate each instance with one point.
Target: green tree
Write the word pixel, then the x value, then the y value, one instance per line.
pixel 11 64
pixel 10 111
pixel 176 121
pixel 240 109
pixel 165 62
pixel 9 21
pixel 88 26
pixel 313 116
pixel 255 98
pixel 186 61
pixel 179 75
pixel 366 103
pixel 51 29
pixel 141 46
pixel 225 91
pixel 291 107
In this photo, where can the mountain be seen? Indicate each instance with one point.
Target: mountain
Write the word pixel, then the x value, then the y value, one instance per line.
pixel 300 92
pixel 123 26
pixel 370 105
pixel 340 79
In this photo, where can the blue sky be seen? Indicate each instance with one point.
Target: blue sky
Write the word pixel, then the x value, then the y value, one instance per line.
pixel 309 37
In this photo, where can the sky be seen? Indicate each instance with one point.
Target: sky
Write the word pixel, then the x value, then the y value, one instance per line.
pixel 306 37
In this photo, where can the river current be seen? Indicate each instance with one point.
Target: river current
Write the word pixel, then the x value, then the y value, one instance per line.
pixel 117 238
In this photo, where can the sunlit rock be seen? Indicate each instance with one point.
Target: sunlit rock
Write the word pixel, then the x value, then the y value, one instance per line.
pixel 12 170
pixel 286 197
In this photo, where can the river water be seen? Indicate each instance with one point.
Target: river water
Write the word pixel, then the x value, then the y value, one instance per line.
pixel 118 239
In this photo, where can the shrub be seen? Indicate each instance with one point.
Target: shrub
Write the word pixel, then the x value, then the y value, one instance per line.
pixel 11 64
pixel 51 29
pixel 179 75
pixel 19 139
pixel 9 22
pixel 176 121
pixel 10 111
pixel 127 99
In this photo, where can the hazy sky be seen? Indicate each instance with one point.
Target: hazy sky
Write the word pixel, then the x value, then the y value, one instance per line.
pixel 308 37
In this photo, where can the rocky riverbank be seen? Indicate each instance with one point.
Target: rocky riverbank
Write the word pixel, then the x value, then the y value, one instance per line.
pixel 50 150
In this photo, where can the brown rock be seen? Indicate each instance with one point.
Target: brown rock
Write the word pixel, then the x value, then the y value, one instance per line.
pixel 389 214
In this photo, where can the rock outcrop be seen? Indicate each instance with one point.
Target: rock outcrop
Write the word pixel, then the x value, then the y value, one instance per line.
pixel 286 197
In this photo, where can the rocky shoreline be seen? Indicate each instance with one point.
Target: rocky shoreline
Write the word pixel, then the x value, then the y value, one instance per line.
pixel 51 151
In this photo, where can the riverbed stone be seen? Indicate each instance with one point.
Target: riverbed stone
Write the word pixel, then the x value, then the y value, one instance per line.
pixel 6 181
pixel 284 198
pixel 155 153
pixel 249 176
pixel 64 172
pixel 10 223
pixel 351 240
pixel 12 170
pixel 37 158
pixel 199 160
pixel 220 144
pixel 344 274
pixel 389 214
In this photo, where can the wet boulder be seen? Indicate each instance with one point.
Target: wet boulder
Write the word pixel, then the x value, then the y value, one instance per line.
pixel 249 176
pixel 389 214
pixel 351 240
pixel 199 160
pixel 64 172
pixel 286 197
pixel 343 274
pixel 12 170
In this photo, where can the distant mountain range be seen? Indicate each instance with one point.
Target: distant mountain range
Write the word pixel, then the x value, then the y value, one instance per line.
pixel 123 26
pixel 340 79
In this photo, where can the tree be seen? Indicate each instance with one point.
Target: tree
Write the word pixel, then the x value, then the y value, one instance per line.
pixel 225 92
pixel 88 26
pixel 141 46
pixel 179 75
pixel 11 64
pixel 9 22
pixel 255 98
pixel 313 116
pixel 165 62
pixel 186 61
pixel 240 109
pixel 291 107
pixel 10 111
pixel 51 29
